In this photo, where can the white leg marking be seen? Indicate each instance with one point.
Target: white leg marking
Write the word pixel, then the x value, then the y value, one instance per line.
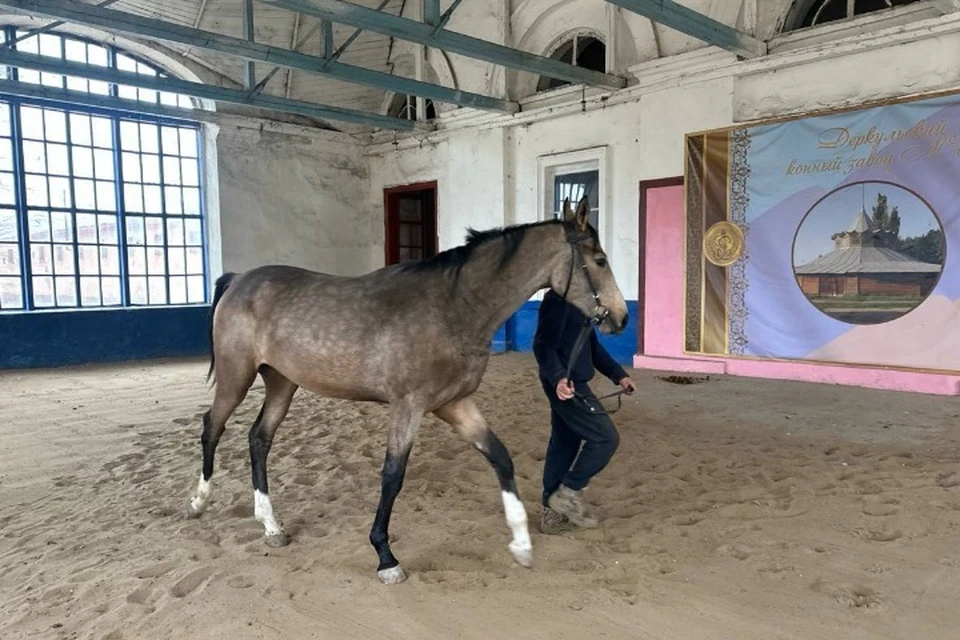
pixel 198 503
pixel 521 546
pixel 263 512
pixel 394 575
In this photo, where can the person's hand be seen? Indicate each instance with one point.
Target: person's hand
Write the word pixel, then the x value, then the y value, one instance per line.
pixel 564 389
pixel 627 385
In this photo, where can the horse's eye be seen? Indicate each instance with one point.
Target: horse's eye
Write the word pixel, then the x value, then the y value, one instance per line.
pixel 601 261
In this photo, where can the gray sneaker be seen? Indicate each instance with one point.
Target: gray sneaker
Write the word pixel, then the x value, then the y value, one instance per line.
pixel 552 522
pixel 569 503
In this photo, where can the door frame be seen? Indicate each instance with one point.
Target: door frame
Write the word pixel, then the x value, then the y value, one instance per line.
pixel 390 223
pixel 646 185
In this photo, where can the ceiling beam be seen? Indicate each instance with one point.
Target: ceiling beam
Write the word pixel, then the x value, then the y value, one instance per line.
pixel 250 69
pixel 122 22
pixel 49 64
pixel 428 35
pixel 693 23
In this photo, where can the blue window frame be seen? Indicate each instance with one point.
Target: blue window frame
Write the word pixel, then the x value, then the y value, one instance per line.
pixel 97 208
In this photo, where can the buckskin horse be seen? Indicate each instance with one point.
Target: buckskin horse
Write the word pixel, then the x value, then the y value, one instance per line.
pixel 414 335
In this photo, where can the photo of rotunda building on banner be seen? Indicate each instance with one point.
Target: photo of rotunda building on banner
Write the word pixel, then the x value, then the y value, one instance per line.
pixel 868 253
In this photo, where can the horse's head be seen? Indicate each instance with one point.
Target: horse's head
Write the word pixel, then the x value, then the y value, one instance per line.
pixel 585 277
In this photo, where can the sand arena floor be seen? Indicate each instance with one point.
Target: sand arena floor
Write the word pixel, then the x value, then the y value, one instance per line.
pixel 735 509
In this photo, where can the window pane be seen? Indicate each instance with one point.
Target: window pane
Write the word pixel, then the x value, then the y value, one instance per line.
pixel 38 224
pixel 11 293
pixel 188 143
pixel 149 141
pixel 89 260
pixel 97 55
pixel 135 230
pixel 51 80
pixel 191 201
pixel 189 173
pixel 171 140
pixel 8 226
pixel 87 228
pixel 29 76
pixel 126 63
pixel 102 133
pixel 30 45
pixel 103 163
pixel 152 199
pixel 56 122
pixel 126 92
pixel 60 193
pixel 63 259
pixel 83 189
pixel 9 260
pixel 107 226
pixel 193 232
pixel 178 290
pixel 37 191
pixel 61 224
pixel 194 260
pixel 50 45
pixel 195 289
pixel 137 260
pixel 151 169
pixel 41 259
pixel 156 261
pixel 76 51
pixel 31 122
pixel 78 84
pixel 4 119
pixel 129 136
pixel 154 228
pixel 173 199
pixel 157 286
pixel 66 292
pixel 8 191
pixel 82 162
pixel 176 261
pixel 90 292
pixel 111 290
pixel 34 157
pixel 43 291
pixel 133 198
pixel 171 170
pixel 110 261
pixel 80 129
pixel 99 88
pixel 106 196
pixel 138 290
pixel 6 155
pixel 57 162
pixel 175 231
pixel 146 95
pixel 131 167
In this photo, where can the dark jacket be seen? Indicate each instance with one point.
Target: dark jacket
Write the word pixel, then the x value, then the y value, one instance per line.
pixel 558 326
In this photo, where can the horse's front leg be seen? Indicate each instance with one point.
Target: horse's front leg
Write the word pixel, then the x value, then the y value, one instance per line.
pixel 404 423
pixel 464 416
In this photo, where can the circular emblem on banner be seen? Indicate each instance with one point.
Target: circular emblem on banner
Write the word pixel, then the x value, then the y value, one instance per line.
pixel 723 243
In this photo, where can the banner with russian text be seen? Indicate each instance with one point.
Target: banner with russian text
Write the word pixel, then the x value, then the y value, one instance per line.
pixel 832 238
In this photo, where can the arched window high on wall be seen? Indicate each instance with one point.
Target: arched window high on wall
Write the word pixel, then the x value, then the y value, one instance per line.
pixel 581 51
pixel 810 13
pixel 404 106
pixel 98 208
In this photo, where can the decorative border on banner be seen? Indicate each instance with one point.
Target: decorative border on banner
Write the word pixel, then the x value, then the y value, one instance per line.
pixel 739 200
pixel 693 236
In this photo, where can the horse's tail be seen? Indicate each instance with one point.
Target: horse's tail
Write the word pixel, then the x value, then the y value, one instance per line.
pixel 221 287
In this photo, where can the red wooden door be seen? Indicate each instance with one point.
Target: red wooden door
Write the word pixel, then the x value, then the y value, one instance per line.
pixel 410 222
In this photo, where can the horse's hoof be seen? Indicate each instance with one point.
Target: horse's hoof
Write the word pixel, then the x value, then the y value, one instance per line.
pixel 393 575
pixel 523 555
pixel 194 509
pixel 277 539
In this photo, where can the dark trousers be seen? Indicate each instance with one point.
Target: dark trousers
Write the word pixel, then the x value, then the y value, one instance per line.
pixel 581 420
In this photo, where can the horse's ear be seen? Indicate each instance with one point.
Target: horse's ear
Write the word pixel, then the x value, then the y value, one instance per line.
pixel 567 213
pixel 583 214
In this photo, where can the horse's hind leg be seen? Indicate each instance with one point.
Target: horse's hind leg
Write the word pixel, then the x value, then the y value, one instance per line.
pixel 277 397
pixel 464 416
pixel 232 386
pixel 404 423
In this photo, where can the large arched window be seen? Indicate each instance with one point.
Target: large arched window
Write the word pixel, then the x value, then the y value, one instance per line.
pixel 810 13
pixel 581 51
pixel 98 208
pixel 404 106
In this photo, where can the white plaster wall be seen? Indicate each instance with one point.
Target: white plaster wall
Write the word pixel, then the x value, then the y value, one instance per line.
pixel 294 197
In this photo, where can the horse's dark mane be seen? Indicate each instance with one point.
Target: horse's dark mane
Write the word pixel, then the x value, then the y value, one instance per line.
pixel 454 259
